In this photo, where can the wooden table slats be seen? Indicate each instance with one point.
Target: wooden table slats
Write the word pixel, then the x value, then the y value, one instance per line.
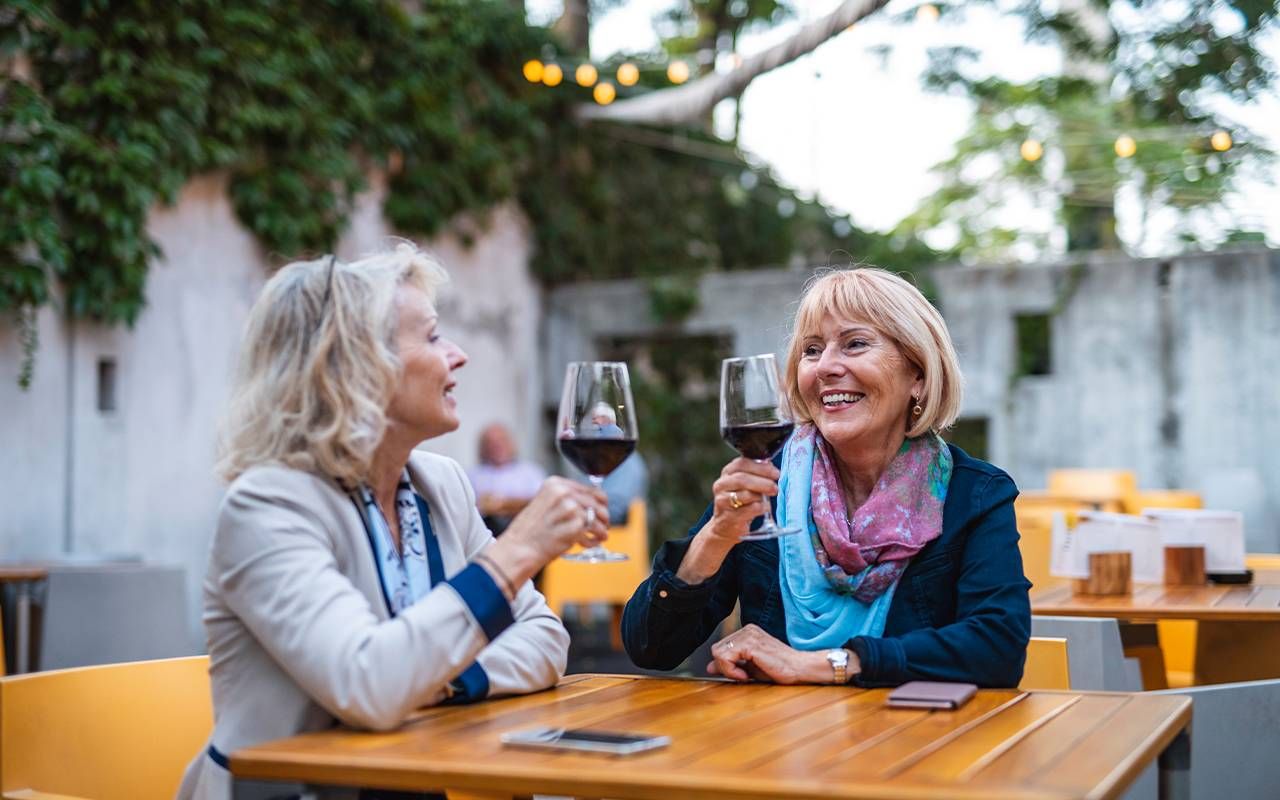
pixel 752 741
pixel 1211 603
pixel 1266 598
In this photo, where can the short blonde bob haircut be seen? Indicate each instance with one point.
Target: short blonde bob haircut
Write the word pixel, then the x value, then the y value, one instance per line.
pixel 318 366
pixel 896 309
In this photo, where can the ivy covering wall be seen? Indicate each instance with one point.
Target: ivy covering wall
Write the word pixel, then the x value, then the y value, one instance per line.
pixel 108 108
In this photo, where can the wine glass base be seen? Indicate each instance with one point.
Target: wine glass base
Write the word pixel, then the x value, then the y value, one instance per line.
pixel 768 533
pixel 596 556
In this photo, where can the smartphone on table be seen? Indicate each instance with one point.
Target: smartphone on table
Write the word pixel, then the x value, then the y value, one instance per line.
pixel 583 739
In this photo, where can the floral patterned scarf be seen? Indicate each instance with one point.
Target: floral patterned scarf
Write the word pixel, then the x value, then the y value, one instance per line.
pixel 865 552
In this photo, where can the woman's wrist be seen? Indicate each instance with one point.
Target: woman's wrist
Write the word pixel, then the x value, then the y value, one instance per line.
pixel 513 564
pixel 704 557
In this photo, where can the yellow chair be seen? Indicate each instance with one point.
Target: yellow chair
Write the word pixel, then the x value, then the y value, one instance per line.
pixel 122 731
pixel 1161 498
pixel 612 583
pixel 1104 488
pixel 1035 535
pixel 1046 667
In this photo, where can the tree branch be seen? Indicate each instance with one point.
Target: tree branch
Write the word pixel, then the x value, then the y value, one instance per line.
pixel 693 101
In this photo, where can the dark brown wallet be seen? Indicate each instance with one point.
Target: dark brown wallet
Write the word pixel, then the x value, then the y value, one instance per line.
pixel 931 694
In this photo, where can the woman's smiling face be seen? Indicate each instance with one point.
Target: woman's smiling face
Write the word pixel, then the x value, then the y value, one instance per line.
pixel 856 383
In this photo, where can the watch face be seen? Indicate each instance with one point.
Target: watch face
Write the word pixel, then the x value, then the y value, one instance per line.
pixel 838 658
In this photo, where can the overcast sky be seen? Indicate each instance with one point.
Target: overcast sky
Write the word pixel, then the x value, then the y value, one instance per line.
pixel 860 133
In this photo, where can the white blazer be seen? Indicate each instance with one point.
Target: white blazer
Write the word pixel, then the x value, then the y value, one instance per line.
pixel 299 633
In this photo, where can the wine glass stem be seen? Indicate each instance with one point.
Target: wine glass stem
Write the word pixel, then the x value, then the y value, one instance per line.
pixel 598 482
pixel 768 523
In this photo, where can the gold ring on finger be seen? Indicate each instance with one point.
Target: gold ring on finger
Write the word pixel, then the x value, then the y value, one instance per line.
pixel 734 501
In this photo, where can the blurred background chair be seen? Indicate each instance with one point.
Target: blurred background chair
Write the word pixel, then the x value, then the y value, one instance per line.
pixel 1035 512
pixel 110 732
pixel 110 613
pixel 1105 489
pixel 1047 667
pixel 564 582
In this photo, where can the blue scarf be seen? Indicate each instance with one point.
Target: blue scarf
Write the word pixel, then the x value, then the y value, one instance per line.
pixel 819 617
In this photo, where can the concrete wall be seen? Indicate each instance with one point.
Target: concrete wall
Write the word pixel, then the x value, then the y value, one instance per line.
pixel 138 481
pixel 754 308
pixel 1168 367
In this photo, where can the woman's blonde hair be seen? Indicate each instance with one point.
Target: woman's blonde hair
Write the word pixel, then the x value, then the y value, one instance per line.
pixel 895 308
pixel 318 365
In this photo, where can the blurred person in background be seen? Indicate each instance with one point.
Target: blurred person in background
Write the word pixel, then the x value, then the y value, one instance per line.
pixel 350 577
pixel 906 566
pixel 503 483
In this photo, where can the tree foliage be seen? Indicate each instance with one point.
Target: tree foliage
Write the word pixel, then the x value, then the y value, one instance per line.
pixel 1157 71
pixel 109 108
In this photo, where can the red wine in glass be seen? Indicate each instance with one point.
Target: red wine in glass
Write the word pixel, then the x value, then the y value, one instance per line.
pixel 755 420
pixel 597 456
pixel 596 429
pixel 760 441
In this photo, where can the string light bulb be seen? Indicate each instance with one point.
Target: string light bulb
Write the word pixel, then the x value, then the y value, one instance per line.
pixel 677 72
pixel 927 13
pixel 1126 146
pixel 533 70
pixel 1220 141
pixel 552 75
pixel 628 74
pixel 604 93
pixel 585 75
pixel 1031 150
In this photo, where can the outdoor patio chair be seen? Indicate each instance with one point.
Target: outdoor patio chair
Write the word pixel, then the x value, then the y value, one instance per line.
pixel 111 732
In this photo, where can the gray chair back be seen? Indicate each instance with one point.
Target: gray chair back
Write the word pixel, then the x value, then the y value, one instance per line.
pixel 1094 653
pixel 111 612
pixel 1235 739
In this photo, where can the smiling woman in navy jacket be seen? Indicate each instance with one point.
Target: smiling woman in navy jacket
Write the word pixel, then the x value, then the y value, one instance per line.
pixel 907 566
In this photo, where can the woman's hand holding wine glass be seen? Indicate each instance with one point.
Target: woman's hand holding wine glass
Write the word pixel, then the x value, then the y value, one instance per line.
pixel 756 421
pixel 562 514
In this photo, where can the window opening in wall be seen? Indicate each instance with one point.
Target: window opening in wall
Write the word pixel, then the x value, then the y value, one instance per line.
pixel 970 435
pixel 1034 344
pixel 106 385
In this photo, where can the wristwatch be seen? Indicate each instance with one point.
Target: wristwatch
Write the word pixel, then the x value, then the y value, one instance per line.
pixel 839 661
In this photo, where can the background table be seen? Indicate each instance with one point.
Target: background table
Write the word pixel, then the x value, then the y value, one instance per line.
pixel 24 577
pixel 751 741
pixel 1238 631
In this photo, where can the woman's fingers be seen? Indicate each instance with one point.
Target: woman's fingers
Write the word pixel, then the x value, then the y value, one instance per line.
pixel 728 657
pixel 745 466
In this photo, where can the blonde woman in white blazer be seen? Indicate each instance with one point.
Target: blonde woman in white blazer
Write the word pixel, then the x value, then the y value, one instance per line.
pixel 350 578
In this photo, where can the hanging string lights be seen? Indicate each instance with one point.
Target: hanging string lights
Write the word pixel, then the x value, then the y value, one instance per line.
pixel 1220 141
pixel 1125 146
pixel 586 75
pixel 927 13
pixel 1031 150
pixel 678 72
pixel 552 75
pixel 628 74
pixel 533 70
pixel 604 93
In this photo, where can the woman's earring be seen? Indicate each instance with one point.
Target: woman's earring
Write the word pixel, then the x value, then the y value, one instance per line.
pixel 916 410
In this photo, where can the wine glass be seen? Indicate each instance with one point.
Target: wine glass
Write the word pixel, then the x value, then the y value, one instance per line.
pixel 755 420
pixel 596 430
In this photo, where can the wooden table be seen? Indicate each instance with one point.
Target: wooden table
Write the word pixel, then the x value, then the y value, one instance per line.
pixel 754 741
pixel 25 578
pixel 1238 630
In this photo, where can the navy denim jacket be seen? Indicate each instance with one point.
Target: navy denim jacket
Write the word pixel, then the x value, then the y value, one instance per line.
pixel 960 613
